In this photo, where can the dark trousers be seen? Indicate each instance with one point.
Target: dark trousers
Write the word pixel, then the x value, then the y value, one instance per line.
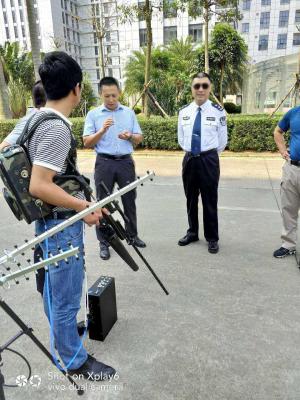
pixel 121 172
pixel 201 175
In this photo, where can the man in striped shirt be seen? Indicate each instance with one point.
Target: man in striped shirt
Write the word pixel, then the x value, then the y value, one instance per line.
pixel 39 100
pixel 49 148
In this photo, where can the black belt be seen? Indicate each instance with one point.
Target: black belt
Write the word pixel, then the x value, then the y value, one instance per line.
pixel 294 162
pixel 203 153
pixel 61 214
pixel 111 157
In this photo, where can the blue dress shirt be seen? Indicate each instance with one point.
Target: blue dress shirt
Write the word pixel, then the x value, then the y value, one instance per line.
pixel 124 119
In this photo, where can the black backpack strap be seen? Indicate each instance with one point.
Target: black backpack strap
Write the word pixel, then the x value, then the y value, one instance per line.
pixel 25 129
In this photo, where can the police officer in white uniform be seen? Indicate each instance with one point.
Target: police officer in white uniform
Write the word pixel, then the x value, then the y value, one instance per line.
pixel 202 134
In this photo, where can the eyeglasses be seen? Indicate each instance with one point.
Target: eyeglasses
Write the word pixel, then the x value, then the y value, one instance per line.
pixel 197 86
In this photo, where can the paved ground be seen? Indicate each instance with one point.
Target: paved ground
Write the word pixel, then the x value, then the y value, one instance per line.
pixel 230 329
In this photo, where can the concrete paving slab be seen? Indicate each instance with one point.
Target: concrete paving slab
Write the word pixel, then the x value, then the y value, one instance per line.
pixel 229 329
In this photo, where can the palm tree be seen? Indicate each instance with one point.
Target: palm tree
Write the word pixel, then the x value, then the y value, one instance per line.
pixel 4 107
pixel 134 72
pixel 171 68
pixel 183 64
pixel 34 37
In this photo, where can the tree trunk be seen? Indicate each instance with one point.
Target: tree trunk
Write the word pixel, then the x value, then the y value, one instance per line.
pixel 206 20
pixel 148 18
pixel 101 56
pixel 4 106
pixel 34 37
pixel 100 26
pixel 221 85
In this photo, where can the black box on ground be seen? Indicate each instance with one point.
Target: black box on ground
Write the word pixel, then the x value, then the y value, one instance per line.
pixel 103 307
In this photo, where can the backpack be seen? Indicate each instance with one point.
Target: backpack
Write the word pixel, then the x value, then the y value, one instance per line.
pixel 15 172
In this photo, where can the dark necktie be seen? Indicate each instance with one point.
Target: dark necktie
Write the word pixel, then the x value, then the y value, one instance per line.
pixel 196 135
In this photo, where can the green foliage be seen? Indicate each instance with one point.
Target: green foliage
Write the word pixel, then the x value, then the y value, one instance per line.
pixel 129 12
pixel 17 65
pixel 6 126
pixel 137 109
pixel 183 64
pixel 159 133
pixel 253 133
pixel 123 99
pixel 88 98
pixel 134 72
pixel 228 54
pixel 171 70
pixel 245 132
pixel 18 98
pixel 77 129
pixel 226 10
pixel 232 108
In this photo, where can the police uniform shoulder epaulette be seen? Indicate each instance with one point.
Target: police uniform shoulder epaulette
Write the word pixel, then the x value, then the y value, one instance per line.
pixel 183 107
pixel 217 106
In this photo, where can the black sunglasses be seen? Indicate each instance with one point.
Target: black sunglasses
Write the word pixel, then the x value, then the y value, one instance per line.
pixel 197 86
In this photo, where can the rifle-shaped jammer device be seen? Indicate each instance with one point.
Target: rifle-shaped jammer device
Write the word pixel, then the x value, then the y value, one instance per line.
pixel 8 262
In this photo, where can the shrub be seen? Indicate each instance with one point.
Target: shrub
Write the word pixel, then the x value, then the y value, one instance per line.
pixel 17 98
pixel 137 109
pixel 159 133
pixel 250 133
pixel 232 108
pixel 245 132
pixel 6 127
pixel 77 128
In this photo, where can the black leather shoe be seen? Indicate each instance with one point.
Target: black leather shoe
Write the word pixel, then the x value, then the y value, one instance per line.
pixel 213 247
pixel 104 252
pixel 93 370
pixel 138 242
pixel 187 239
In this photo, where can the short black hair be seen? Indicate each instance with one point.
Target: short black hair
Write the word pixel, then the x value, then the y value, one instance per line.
pixel 108 81
pixel 60 74
pixel 201 75
pixel 38 95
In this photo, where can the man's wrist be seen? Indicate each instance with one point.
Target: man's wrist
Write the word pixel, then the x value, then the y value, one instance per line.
pixel 101 132
pixel 82 205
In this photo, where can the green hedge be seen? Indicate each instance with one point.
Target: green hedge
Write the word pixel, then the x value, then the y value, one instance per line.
pixel 254 134
pixel 245 132
pixel 6 127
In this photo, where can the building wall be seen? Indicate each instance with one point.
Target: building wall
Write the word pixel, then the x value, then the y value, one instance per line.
pixel 273 30
pixel 130 32
pixel 13 22
pixel 267 84
pixel 106 13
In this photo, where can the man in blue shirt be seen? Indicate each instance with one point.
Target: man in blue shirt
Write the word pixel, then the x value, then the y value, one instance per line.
pixel 290 185
pixel 113 130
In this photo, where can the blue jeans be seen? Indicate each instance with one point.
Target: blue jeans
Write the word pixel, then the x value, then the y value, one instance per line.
pixel 65 289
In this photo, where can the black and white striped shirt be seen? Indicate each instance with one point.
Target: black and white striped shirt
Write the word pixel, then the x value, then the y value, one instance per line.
pixel 50 144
